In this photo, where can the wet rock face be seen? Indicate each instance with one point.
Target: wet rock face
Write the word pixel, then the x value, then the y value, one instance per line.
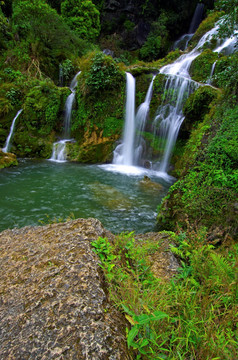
pixel 53 300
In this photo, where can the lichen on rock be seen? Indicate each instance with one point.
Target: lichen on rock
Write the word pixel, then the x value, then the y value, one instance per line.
pixel 53 299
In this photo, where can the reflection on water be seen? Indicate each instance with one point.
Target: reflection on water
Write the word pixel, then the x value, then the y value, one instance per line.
pixel 40 190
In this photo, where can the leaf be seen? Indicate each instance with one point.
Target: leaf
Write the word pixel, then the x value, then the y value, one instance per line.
pixel 132 334
pixel 157 315
pixel 131 320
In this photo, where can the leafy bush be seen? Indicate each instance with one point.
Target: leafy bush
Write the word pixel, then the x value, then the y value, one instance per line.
pixel 156 44
pixel 207 193
pixel 46 36
pixel 42 106
pixel 200 69
pixel 197 105
pixel 226 75
pixel 102 73
pixel 189 316
pixel 83 17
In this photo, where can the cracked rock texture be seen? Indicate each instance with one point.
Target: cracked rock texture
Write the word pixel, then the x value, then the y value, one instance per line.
pixel 53 300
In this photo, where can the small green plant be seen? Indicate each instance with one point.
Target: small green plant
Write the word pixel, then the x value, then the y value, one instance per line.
pixel 190 316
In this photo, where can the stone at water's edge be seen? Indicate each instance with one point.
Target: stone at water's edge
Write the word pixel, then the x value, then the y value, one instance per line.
pixel 7 159
pixel 53 300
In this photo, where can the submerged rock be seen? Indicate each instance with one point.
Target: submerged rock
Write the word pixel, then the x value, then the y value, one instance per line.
pixel 53 299
pixel 148 185
pixel 109 196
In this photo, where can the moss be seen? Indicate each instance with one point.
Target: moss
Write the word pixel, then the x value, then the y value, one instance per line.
pixel 200 69
pixel 92 153
pixel 207 192
pixel 28 145
pixel 7 160
pixel 205 26
pixel 98 118
pixel 198 103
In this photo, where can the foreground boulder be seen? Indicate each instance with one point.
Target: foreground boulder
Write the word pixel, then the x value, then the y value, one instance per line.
pixel 53 299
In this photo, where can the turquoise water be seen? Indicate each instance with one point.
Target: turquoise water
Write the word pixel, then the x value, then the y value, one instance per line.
pixel 39 191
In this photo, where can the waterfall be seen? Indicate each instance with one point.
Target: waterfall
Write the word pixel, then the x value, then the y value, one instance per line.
pixel 140 120
pixel 59 148
pixel 6 147
pixel 124 153
pixel 178 87
pixel 182 42
pixel 197 18
pixel 209 82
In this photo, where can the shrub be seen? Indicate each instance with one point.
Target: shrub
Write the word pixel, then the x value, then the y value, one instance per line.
pixel 102 73
pixel 83 17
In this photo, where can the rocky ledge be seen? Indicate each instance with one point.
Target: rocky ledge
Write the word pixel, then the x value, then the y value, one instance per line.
pixel 53 297
pixel 53 300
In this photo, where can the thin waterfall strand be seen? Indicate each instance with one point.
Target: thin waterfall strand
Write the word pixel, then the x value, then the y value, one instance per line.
pixel 140 120
pixel 59 153
pixel 6 148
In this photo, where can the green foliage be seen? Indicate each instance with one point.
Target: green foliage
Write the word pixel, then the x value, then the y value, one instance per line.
pixel 198 103
pixel 226 75
pixel 102 74
pixel 129 25
pixel 42 105
pixel 67 69
pixel 207 193
pixel 44 32
pixel 156 44
pixel 230 19
pixel 189 316
pixel 83 17
pixel 5 32
pixel 200 69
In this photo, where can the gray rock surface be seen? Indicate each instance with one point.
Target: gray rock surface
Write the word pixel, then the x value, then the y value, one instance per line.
pixel 53 299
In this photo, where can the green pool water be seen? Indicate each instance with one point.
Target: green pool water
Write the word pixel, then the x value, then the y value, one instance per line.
pixel 39 191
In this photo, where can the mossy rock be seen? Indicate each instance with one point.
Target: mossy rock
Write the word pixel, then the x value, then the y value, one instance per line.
pixel 157 96
pixel 26 144
pixel 7 160
pixel 198 105
pixel 205 26
pixel 142 84
pixel 110 197
pixel 96 153
pixel 201 67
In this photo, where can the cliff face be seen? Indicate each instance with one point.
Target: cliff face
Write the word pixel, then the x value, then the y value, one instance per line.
pixel 133 19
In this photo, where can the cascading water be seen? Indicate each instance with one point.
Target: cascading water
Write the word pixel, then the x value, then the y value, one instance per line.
pixel 178 87
pixel 124 153
pixel 182 42
pixel 59 148
pixel 6 148
pixel 209 82
pixel 141 117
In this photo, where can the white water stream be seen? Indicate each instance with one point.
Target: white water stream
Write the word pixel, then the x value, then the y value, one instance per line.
pixel 7 145
pixel 141 118
pixel 59 153
pixel 179 86
pixel 124 153
pixel 169 116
